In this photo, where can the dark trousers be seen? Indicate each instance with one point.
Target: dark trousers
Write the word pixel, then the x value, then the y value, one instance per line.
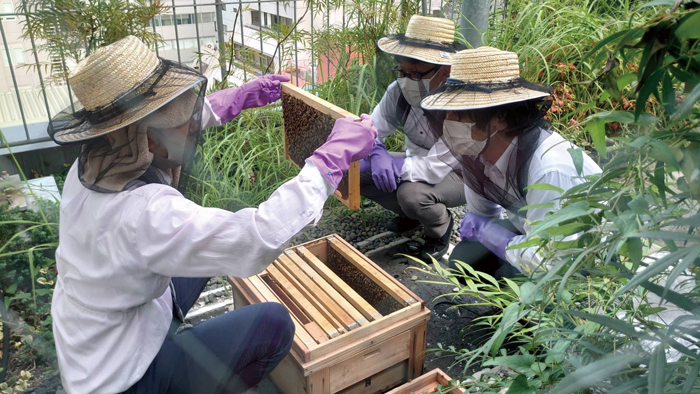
pixel 227 354
pixel 420 201
pixel 482 259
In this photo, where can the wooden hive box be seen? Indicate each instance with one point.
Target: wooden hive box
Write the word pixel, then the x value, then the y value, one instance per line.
pixel 358 329
pixel 428 383
pixel 308 121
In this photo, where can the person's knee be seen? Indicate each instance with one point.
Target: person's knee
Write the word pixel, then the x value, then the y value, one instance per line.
pixel 412 198
pixel 280 322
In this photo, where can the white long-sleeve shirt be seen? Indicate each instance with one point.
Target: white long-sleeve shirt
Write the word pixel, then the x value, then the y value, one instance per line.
pixel 112 306
pixel 551 163
pixel 421 164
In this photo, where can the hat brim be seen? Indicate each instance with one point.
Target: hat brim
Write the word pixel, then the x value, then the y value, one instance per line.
pixel 461 100
pixel 171 85
pixel 393 46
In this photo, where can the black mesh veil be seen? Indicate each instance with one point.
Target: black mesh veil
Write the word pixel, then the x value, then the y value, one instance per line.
pixel 504 181
pixel 114 153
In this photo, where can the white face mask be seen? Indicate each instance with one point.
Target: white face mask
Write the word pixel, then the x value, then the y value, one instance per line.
pixel 415 91
pixel 458 137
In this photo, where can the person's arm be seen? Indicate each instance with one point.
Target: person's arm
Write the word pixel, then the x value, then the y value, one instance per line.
pixel 481 205
pixel 529 257
pixel 224 105
pixel 431 168
pixel 173 236
pixel 384 114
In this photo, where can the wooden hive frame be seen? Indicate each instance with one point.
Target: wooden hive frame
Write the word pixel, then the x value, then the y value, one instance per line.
pixel 427 383
pixel 348 191
pixel 341 341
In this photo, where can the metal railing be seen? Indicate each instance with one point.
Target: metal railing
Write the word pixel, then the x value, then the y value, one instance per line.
pixel 24 117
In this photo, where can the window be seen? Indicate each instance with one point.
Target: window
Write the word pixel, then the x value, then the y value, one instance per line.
pixel 265 19
pixel 166 20
pixel 207 40
pixel 186 43
pixel 17 56
pixel 255 18
pixel 56 65
pixel 185 19
pixel 206 17
pixel 7 9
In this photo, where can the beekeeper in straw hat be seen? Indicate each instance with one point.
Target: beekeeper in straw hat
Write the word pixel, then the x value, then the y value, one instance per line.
pixel 492 121
pixel 415 184
pixel 134 253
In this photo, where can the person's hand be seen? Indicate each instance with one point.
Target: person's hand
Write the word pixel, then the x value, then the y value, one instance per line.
pixel 349 141
pixel 258 92
pixel 365 165
pixel 485 231
pixel 386 169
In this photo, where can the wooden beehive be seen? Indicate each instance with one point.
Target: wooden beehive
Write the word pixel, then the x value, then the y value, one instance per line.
pixel 428 384
pixel 308 121
pixel 358 330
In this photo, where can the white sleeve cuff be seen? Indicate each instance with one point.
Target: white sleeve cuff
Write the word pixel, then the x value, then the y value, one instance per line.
pixel 209 118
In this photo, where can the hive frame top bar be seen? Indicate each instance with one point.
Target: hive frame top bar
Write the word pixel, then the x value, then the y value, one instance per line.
pixel 317 103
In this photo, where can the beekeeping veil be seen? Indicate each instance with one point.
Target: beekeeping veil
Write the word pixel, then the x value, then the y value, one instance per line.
pixel 125 93
pixel 485 83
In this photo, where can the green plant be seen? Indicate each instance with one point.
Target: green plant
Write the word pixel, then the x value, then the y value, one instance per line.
pixel 618 309
pixel 72 29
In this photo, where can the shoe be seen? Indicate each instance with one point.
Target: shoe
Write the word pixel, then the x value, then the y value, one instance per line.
pixel 437 247
pixel 402 224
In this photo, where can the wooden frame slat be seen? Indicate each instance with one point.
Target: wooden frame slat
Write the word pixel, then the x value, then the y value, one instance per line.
pixel 280 269
pixel 317 285
pixel 375 274
pixel 303 303
pixel 367 310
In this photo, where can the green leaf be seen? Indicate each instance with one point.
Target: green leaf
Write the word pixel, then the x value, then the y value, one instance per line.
pixel 520 363
pixel 635 250
pixel 671 296
pixel 527 244
pixel 657 370
pixel 692 377
pixel 615 324
pixel 658 267
pixel 577 157
pixel 573 211
pixel 639 141
pixel 650 86
pixel 544 186
pixel 566 229
pixel 639 205
pixel 11 289
pixel 596 128
pixel 603 42
pixel 520 386
pixel 593 373
pixel 536 206
pixel 661 151
pixel 687 104
pixel 659 3
pixel 688 28
pixel 668 94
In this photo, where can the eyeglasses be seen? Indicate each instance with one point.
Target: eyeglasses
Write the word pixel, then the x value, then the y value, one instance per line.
pixel 412 75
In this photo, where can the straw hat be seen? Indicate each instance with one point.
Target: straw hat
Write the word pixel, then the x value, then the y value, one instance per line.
pixel 483 77
pixel 117 85
pixel 427 39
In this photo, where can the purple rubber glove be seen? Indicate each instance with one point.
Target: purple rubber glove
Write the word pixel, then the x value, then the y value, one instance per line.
pixel 365 165
pixel 260 91
pixel 483 230
pixel 349 141
pixel 386 169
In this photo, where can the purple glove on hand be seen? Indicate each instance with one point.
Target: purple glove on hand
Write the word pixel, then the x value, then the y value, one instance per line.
pixel 386 169
pixel 260 91
pixel 483 230
pixel 349 141
pixel 365 165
